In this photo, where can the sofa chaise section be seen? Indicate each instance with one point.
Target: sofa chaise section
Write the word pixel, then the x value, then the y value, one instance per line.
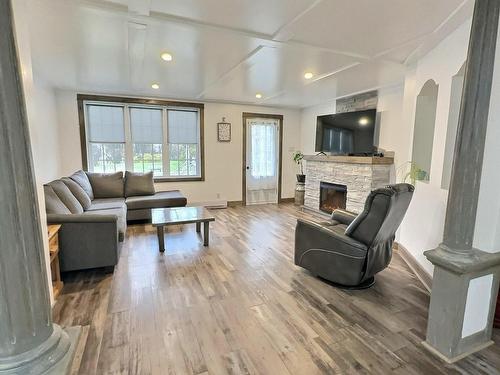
pixel 139 207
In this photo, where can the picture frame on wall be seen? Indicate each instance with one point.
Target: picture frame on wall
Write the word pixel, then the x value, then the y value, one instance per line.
pixel 224 131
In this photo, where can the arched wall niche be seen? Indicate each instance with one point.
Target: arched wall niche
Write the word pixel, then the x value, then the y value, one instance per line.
pixel 457 83
pixel 423 131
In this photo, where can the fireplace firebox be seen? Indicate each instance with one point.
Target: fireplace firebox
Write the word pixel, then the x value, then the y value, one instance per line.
pixel 332 196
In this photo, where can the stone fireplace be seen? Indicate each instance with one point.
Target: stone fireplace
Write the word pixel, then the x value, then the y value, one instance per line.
pixel 332 196
pixel 358 174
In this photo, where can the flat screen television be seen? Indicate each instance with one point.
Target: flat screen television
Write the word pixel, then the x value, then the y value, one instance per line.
pixel 350 133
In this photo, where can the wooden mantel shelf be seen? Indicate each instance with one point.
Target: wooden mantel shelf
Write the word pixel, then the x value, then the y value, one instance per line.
pixel 351 159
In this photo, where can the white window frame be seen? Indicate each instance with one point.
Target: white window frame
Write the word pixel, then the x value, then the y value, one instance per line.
pixel 129 157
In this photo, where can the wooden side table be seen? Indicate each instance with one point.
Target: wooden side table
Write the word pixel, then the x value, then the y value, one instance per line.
pixel 57 283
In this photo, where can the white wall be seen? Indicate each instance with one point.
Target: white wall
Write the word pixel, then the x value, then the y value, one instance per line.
pixel 42 121
pixel 223 160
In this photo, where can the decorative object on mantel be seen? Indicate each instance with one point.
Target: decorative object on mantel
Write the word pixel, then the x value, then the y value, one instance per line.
pixel 224 131
pixel 297 158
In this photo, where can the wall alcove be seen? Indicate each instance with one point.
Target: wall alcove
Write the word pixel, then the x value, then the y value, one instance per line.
pixel 423 132
pixel 457 83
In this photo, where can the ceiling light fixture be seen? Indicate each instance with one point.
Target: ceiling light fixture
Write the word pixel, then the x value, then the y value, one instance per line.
pixel 166 56
pixel 155 86
pixel 363 121
pixel 258 95
pixel 308 75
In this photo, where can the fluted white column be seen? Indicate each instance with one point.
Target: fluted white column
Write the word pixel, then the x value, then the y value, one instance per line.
pixel 29 342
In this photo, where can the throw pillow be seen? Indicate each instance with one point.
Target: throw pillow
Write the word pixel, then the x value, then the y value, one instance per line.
pixel 81 179
pixel 139 184
pixel 106 185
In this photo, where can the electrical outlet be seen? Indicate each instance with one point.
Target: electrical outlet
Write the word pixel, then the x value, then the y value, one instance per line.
pixel 218 195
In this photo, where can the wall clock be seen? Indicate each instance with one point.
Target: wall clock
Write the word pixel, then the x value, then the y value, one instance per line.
pixel 224 131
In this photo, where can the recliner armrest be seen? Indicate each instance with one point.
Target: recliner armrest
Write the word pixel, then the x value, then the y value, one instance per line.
pixel 343 216
pixel 314 231
pixel 80 218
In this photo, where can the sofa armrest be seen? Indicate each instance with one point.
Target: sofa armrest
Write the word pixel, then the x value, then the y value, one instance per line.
pixel 343 216
pixel 86 241
pixel 80 218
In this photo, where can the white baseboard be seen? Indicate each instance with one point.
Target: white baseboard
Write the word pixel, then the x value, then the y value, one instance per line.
pixel 210 204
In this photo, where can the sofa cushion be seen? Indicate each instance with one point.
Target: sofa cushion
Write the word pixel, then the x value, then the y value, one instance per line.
pixel 53 205
pixel 107 203
pixel 81 179
pixel 139 184
pixel 121 214
pixel 66 196
pixel 172 198
pixel 106 185
pixel 78 192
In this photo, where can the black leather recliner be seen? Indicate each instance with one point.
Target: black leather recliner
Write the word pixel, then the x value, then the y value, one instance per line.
pixel 349 250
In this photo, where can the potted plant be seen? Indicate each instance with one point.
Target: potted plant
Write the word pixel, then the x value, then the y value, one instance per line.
pixel 415 174
pixel 297 158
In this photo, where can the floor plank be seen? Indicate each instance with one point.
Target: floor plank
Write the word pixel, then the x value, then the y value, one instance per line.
pixel 242 307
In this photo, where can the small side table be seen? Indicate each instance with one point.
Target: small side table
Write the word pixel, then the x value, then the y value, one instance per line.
pixel 57 283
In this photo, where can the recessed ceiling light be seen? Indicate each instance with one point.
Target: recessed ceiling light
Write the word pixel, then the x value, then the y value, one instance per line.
pixel 166 56
pixel 155 86
pixel 258 95
pixel 363 121
pixel 308 75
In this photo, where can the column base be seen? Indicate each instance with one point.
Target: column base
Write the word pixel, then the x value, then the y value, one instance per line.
pixel 53 357
pixel 64 366
pixel 457 358
pixel 463 299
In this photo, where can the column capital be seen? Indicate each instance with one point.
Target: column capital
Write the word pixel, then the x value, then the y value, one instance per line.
pixel 462 262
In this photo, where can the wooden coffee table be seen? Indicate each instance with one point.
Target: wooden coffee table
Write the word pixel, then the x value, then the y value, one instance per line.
pixel 161 217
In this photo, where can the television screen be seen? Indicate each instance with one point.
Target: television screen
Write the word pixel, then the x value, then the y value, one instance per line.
pixel 346 133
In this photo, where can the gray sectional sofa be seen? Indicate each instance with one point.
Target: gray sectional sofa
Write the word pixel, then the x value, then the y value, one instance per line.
pixel 93 210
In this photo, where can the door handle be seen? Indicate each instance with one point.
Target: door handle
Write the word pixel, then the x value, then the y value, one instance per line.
pixel 248 167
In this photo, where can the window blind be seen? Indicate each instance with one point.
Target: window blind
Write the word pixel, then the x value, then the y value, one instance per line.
pixel 146 125
pixel 105 124
pixel 182 126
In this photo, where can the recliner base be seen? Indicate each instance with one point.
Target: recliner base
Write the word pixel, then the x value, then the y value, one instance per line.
pixel 364 285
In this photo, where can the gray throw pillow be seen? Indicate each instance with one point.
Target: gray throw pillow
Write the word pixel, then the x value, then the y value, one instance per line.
pixel 66 196
pixel 53 205
pixel 106 185
pixel 81 179
pixel 78 192
pixel 139 184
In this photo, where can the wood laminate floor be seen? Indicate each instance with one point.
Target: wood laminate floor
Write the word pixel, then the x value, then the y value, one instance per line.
pixel 242 307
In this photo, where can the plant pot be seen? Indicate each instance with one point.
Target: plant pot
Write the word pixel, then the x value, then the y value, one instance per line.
pixel 301 178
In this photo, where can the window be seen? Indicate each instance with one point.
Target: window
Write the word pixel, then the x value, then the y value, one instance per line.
pixel 147 140
pixel 106 138
pixel 142 136
pixel 183 142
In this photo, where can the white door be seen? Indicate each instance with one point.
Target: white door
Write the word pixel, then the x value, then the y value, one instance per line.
pixel 262 160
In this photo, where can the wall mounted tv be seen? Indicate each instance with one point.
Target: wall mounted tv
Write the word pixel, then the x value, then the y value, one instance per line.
pixel 350 133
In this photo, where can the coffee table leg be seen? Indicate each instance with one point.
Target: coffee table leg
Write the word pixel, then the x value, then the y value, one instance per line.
pixel 198 227
pixel 206 229
pixel 161 238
